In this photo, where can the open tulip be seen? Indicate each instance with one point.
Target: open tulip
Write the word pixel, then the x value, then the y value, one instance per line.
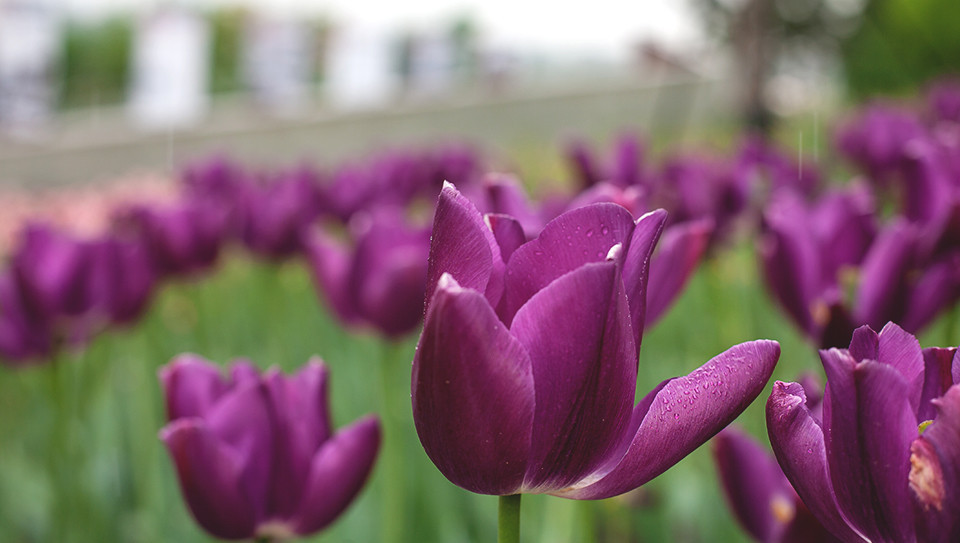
pixel 256 453
pixel 525 374
pixel 883 463
pixel 758 492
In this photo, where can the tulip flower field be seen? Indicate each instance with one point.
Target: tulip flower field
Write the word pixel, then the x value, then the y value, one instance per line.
pixel 683 345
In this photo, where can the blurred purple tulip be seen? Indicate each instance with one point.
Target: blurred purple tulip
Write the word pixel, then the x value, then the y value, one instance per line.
pixel 275 214
pixel 380 280
pixel 525 374
pixel 183 238
pixel 54 272
pixel 25 337
pixel 256 454
pixel 876 138
pixel 698 187
pixel 216 177
pixel 758 492
pixel 832 269
pixel 625 169
pixel 883 463
pixel 944 100
pixel 396 178
pixel 758 160
pixel 124 278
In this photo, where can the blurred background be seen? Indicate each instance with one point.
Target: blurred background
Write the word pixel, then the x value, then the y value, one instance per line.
pixel 114 86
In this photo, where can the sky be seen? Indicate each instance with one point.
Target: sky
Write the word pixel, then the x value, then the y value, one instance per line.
pixel 602 27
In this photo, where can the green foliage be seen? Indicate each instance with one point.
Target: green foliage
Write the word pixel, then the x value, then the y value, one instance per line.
pixel 227 29
pixel 96 62
pixel 901 44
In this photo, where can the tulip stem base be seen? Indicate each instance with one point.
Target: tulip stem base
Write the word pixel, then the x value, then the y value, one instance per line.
pixel 508 528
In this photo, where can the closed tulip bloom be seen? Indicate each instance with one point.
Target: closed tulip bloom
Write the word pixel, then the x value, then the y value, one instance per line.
pixel 943 100
pixel 275 214
pixel 125 278
pixel 25 337
pixel 256 454
pixel 183 238
pixel 882 464
pixel 525 374
pixel 876 138
pixel 54 272
pixel 758 492
pixel 378 277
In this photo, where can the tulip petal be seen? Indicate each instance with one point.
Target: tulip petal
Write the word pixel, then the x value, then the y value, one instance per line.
pixel 578 336
pixel 536 264
pixel 806 528
pixel 337 473
pixel 881 296
pixel 463 246
pixel 473 393
pixel 902 351
pixel 754 485
pixel 636 266
pixel 869 425
pixel 798 443
pixel 243 421
pixel 937 379
pixel 865 344
pixel 699 405
pixel 791 265
pixel 935 472
pixel 508 232
pixel 192 385
pixel 210 479
pixel 673 264
pixel 301 425
pixel 933 292
pixel 389 276
pixel 331 267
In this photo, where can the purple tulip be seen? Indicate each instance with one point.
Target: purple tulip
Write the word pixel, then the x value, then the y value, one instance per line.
pixel 680 250
pixel 183 238
pixel 25 337
pixel 875 140
pixel 396 178
pixel 54 272
pixel 274 214
pixel 124 278
pixel 832 269
pixel 525 374
pixel 696 187
pixel 944 100
pixel 380 280
pixel 883 462
pixel 764 503
pixel 217 177
pixel 758 158
pixel 625 168
pixel 256 454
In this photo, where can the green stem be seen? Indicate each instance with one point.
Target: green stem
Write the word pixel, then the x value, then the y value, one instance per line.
pixel 393 395
pixel 59 454
pixel 951 325
pixel 508 527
